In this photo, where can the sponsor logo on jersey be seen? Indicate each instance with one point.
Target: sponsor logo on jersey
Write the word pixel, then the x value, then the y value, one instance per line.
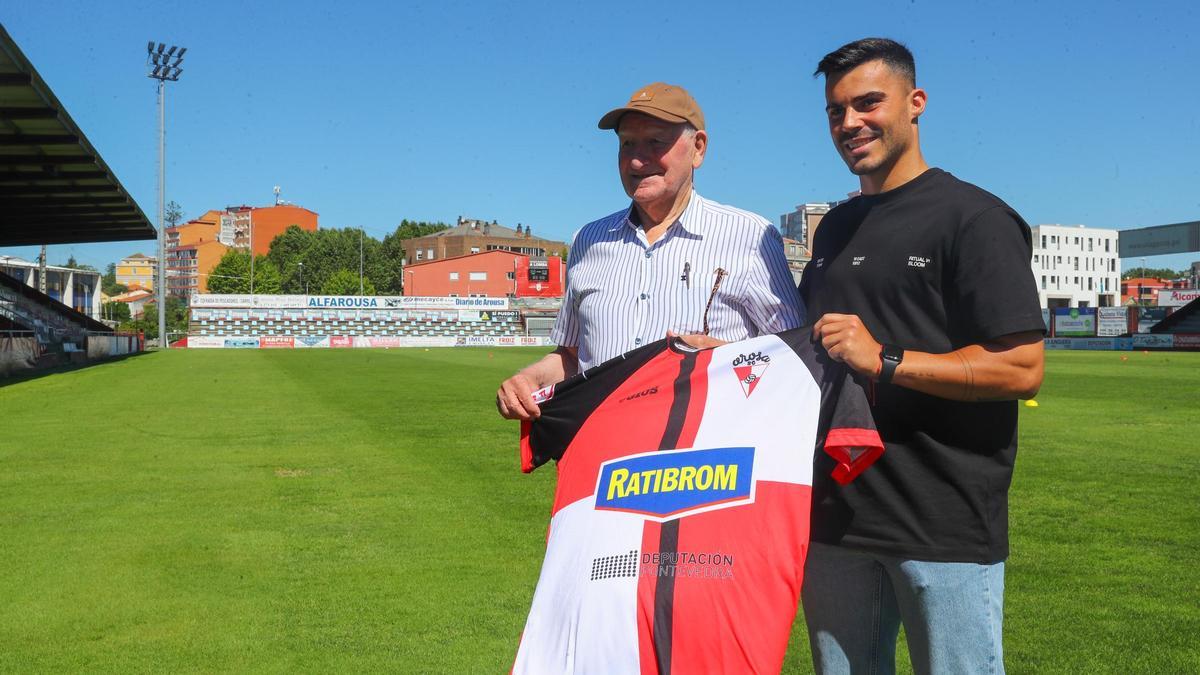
pixel 673 483
pixel 639 394
pixel 749 369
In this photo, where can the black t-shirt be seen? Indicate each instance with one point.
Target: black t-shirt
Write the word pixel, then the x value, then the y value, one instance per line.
pixel 932 266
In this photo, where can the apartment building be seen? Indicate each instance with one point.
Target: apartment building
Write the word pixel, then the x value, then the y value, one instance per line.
pixel 1076 266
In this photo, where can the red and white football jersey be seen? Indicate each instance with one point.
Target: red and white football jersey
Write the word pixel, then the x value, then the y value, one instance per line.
pixel 680 522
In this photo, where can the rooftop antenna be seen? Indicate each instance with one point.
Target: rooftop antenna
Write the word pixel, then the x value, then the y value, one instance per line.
pixel 277 200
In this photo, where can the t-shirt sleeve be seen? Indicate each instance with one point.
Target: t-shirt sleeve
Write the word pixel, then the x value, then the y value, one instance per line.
pixel 771 298
pixel 993 291
pixel 849 437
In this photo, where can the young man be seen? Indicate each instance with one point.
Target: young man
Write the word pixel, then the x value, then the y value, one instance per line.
pixel 923 285
pixel 671 261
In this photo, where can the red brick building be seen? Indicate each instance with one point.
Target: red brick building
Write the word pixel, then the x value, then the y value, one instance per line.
pixel 495 274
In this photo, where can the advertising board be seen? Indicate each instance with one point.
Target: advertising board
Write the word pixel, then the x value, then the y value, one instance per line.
pixel 1177 297
pixel 1075 322
pixel 1112 321
pixel 275 342
pixel 245 301
pixel 1153 341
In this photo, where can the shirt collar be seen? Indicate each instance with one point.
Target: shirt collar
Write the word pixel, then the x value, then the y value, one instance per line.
pixel 689 220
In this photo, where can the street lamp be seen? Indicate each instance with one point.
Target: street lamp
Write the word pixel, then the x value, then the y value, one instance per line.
pixel 163 65
pixel 302 288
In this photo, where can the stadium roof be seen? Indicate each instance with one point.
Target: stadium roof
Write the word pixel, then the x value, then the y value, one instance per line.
pixel 54 187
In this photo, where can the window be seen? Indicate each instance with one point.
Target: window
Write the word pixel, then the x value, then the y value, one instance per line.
pixel 454 276
pixel 420 255
pixel 1089 283
pixel 1043 282
pixel 1076 263
pixel 477 276
pixel 1089 244
pixel 1035 257
pixel 474 249
pixel 1043 241
pixel 511 276
pixel 1106 244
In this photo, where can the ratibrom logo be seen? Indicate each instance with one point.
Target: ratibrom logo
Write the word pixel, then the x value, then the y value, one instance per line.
pixel 673 483
pixel 749 369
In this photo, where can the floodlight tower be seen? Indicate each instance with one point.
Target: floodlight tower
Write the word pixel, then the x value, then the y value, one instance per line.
pixel 160 66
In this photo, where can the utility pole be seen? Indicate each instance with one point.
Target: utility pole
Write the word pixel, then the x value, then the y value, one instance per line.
pixel 162 69
pixel 42 271
pixel 360 262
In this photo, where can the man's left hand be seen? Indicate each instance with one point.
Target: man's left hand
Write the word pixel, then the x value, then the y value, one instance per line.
pixel 846 339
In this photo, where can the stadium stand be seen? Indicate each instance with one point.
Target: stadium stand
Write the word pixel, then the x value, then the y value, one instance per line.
pixel 373 321
pixel 54 189
pixel 355 322
pixel 1185 320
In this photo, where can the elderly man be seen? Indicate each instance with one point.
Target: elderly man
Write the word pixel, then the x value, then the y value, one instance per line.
pixel 672 262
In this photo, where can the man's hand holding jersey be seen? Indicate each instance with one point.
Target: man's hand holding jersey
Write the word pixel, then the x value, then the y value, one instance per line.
pixel 514 399
pixel 1005 368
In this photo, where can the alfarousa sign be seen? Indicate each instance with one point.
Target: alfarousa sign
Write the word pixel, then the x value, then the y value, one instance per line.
pixel 242 301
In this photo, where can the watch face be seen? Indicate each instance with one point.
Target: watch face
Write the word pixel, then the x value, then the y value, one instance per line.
pixel 893 353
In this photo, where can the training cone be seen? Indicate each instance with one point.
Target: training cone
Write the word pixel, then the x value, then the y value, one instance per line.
pixel 1031 403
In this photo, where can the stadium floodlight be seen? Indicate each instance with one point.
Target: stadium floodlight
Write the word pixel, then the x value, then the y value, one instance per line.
pixel 163 70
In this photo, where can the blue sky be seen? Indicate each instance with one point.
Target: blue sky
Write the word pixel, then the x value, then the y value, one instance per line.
pixel 1074 113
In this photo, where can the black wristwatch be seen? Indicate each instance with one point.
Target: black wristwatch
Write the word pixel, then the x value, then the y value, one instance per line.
pixel 890 356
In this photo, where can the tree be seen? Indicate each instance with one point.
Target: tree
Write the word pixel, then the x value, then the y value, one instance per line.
pixel 345 282
pixel 76 265
pixel 177 318
pixel 173 213
pixel 116 311
pixel 108 281
pixel 231 274
pixel 1153 272
pixel 287 252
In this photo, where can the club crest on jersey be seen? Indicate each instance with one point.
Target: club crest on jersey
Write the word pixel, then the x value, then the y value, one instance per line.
pixel 674 483
pixel 749 369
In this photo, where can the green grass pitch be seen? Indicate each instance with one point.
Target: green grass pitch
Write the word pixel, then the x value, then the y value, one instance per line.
pixel 362 510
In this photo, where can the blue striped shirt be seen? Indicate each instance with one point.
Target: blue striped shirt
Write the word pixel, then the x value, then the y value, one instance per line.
pixel 623 292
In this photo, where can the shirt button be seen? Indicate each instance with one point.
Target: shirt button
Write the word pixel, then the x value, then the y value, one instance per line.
pixel 637 341
pixel 644 296
pixel 647 254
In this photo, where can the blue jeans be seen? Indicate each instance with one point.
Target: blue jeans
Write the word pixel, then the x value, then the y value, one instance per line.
pixel 854 603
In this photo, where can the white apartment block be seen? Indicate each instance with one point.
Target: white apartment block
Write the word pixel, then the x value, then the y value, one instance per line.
pixel 1076 266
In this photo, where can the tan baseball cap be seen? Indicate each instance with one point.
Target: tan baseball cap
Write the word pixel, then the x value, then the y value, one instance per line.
pixel 667 102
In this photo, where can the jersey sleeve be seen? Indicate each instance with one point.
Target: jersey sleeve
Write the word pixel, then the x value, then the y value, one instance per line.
pixel 567 405
pixel 994 292
pixel 847 428
pixel 850 436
